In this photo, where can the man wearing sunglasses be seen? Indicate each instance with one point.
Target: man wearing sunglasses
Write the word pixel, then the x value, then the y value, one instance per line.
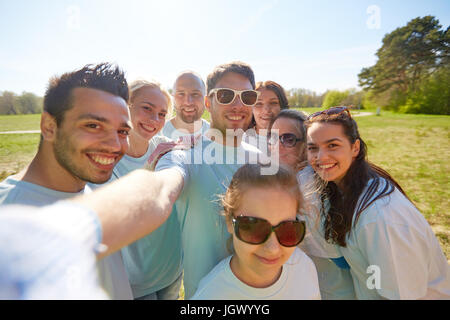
pixel 193 178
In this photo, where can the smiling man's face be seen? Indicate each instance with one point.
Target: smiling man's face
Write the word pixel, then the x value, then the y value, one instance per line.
pixel 235 115
pixel 93 136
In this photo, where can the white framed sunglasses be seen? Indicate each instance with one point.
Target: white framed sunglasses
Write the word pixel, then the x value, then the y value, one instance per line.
pixel 226 96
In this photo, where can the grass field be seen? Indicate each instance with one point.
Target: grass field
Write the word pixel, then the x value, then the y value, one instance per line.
pixel 415 149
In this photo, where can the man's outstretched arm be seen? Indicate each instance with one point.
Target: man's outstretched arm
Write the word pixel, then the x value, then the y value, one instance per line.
pixel 134 205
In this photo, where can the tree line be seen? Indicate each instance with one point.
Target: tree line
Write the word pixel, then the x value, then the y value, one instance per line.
pixel 303 98
pixel 27 102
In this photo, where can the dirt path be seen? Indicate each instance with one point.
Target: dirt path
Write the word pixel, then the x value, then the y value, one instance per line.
pixel 20 132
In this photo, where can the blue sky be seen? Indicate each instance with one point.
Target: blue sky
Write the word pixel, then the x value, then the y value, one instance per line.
pixel 316 45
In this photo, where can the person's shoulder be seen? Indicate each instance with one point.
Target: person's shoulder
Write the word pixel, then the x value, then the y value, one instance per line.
pixel 391 212
pixel 209 284
pixel 12 191
pixel 8 183
pixel 299 257
pixel 306 175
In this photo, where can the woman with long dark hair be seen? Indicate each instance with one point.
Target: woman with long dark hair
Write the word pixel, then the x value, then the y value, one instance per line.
pixel 388 245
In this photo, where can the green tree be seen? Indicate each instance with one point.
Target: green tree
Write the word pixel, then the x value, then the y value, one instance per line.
pixel 8 103
pixel 408 56
pixel 433 97
pixel 335 98
pixel 29 103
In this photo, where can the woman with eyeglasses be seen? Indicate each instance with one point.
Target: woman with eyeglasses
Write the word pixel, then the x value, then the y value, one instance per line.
pixel 390 249
pixel 287 138
pixel 271 100
pixel 261 215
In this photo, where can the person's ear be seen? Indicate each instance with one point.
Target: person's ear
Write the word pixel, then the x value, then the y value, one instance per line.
pixel 355 148
pixel 208 103
pixel 48 126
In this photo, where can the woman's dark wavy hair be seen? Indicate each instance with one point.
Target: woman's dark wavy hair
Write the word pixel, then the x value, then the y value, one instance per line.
pixel 344 202
pixel 104 76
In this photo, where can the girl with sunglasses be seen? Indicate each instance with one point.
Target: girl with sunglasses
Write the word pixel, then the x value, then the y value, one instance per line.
pixel 271 100
pixel 388 245
pixel 261 215
pixel 287 138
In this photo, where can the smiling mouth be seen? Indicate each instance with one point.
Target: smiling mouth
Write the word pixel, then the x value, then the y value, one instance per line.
pixel 235 118
pixel 150 129
pixel 268 261
pixel 326 166
pixel 101 161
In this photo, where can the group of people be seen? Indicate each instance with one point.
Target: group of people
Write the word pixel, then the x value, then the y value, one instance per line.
pixel 123 200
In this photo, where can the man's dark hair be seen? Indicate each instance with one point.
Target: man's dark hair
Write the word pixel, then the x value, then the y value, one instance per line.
pixel 236 67
pixel 103 76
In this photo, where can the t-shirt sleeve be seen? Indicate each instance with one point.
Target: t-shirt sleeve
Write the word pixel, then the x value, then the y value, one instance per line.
pixel 49 252
pixel 177 160
pixel 397 256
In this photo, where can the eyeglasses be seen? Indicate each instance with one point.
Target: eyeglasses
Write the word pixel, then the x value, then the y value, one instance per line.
pixel 257 230
pixel 288 140
pixel 330 111
pixel 226 96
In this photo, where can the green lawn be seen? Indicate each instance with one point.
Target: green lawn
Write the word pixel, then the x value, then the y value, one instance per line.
pixel 19 122
pixel 414 149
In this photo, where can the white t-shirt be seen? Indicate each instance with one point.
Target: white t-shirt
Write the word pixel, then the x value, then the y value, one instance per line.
pixel 335 283
pixel 393 253
pixel 298 281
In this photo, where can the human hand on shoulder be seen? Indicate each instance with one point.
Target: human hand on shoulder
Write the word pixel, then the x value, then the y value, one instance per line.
pixel 183 143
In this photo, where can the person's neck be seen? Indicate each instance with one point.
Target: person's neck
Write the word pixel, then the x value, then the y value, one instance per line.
pixel 44 170
pixel 138 146
pixel 179 124
pixel 250 277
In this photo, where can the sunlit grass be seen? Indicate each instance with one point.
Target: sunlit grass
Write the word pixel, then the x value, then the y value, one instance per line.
pixel 414 149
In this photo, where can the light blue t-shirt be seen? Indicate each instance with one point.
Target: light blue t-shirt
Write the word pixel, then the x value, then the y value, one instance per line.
pixel 169 130
pixel 112 273
pixel 13 191
pixel 49 252
pixel 154 261
pixel 207 170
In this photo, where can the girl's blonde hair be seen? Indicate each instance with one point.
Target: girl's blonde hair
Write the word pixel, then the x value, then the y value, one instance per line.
pixel 249 176
pixel 137 85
